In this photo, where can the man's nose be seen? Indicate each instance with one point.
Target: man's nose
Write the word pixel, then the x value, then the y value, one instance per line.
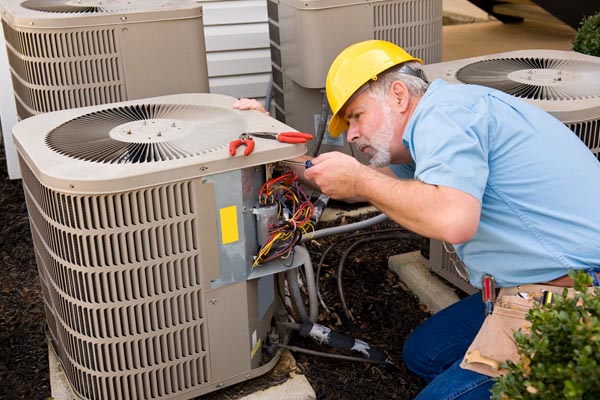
pixel 352 134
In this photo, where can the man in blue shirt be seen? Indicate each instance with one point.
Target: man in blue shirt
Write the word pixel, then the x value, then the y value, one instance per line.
pixel 509 185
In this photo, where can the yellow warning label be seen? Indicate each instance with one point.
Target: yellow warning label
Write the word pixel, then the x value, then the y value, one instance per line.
pixel 229 224
pixel 255 348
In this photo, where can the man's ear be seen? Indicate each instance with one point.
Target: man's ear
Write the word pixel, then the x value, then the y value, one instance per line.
pixel 401 95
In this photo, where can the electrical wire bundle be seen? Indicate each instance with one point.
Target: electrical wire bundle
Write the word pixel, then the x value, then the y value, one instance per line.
pixel 293 215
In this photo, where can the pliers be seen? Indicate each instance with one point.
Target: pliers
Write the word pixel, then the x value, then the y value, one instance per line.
pixel 243 139
pixel 284 137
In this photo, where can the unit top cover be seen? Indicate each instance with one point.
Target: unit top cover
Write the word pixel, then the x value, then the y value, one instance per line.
pixel 76 13
pixel 140 143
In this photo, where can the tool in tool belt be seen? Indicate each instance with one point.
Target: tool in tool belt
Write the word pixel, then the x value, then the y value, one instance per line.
pixel 488 292
pixel 243 139
pixel 284 137
pixel 547 297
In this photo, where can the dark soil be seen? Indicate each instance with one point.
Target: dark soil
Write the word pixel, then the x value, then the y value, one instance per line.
pixel 23 350
pixel 384 314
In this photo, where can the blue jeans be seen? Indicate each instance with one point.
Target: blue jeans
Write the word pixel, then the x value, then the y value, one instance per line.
pixel 435 349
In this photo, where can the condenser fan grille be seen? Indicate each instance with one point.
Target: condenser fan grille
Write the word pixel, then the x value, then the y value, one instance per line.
pixel 90 6
pixel 536 78
pixel 146 133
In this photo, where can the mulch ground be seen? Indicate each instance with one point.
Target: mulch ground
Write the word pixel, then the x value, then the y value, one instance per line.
pixel 23 350
pixel 383 312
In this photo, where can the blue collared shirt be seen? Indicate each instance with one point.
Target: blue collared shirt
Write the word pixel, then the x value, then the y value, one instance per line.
pixel 538 184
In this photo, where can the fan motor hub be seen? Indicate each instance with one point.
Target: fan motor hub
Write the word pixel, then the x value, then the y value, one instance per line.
pixel 546 77
pixel 149 130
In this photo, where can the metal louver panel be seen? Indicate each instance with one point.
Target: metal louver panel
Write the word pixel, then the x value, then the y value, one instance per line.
pixel 127 316
pixel 143 133
pixel 415 26
pixel 536 78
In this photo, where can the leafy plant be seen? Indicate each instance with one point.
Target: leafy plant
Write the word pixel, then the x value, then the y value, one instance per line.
pixel 587 37
pixel 560 356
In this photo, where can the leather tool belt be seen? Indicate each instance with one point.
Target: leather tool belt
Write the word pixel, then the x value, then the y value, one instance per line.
pixel 494 343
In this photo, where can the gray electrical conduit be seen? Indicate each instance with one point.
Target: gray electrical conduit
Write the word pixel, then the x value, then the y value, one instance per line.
pixel 292 274
pixel 313 302
pixel 367 223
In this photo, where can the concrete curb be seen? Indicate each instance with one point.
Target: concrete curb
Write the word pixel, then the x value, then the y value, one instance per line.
pixel 431 290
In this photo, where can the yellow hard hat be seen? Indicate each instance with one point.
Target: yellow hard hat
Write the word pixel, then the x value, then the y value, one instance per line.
pixel 355 66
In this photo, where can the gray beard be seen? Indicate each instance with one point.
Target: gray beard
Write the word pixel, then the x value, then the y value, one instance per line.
pixel 381 156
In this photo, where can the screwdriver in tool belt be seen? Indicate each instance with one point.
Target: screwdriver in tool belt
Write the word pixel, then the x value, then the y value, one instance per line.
pixel 488 292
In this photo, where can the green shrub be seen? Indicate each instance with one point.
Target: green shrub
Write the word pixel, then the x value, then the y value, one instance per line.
pixel 560 357
pixel 587 37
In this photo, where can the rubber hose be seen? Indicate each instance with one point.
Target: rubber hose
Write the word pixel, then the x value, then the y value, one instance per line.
pixel 322 125
pixel 292 280
pixel 311 287
pixel 340 286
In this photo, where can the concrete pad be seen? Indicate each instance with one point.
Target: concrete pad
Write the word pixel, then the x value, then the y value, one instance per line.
pixel 59 386
pixel 296 387
pixel 431 290
pixel 484 38
pixel 463 10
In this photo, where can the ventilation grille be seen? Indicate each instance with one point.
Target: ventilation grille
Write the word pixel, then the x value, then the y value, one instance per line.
pixel 90 6
pixel 442 259
pixel 112 211
pixel 61 70
pixel 536 78
pixel 144 133
pixel 122 282
pixel 589 133
pixel 416 26
pixel 71 44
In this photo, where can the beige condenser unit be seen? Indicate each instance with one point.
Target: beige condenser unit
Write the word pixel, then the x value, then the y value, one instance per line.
pixel 306 36
pixel 564 83
pixel 145 235
pixel 66 54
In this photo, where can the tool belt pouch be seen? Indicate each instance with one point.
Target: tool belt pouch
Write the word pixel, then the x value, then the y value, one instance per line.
pixel 494 343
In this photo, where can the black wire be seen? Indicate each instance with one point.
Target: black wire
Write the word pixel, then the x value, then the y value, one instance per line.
pixel 340 286
pixel 326 252
pixel 322 125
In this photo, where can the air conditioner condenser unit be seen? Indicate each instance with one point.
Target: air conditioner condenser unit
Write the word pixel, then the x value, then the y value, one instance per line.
pixel 66 54
pixel 564 83
pixel 145 232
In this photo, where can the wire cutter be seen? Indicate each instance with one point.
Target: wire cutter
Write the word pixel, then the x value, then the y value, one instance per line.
pixel 243 139
pixel 284 137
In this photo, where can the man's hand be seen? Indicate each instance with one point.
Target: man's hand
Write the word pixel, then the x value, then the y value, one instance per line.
pixel 249 104
pixel 336 174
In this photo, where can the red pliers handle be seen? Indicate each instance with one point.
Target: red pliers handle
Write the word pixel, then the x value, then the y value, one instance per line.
pixel 245 140
pixel 285 137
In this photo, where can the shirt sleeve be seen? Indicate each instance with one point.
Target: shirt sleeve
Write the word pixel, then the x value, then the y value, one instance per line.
pixel 450 147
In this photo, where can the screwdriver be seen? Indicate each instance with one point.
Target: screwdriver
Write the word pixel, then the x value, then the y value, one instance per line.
pixel 306 164
pixel 488 292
